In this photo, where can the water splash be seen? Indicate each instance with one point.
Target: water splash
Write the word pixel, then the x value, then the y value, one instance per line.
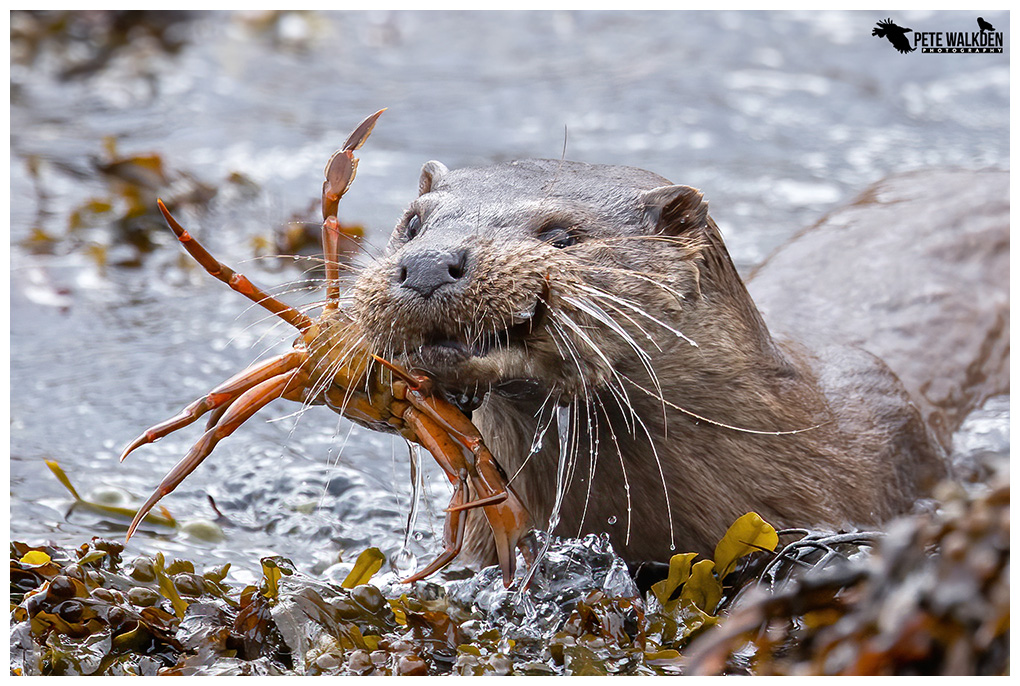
pixel 405 561
pixel 563 416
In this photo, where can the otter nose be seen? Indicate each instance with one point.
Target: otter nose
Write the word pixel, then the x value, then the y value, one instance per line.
pixel 429 270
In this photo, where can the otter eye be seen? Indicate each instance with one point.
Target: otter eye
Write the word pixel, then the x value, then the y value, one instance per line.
pixel 557 236
pixel 413 227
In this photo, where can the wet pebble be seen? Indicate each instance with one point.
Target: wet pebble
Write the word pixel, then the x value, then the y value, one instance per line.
pixel 369 597
pixel 189 584
pixel 203 530
pixel 104 594
pixel 70 611
pixel 360 662
pixel 142 569
pixel 108 495
pixel 346 609
pixel 143 597
pixel 328 662
pixel 61 587
pixel 116 617
pixel 411 665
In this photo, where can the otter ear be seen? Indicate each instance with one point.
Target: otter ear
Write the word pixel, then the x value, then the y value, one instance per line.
pixel 431 173
pixel 675 209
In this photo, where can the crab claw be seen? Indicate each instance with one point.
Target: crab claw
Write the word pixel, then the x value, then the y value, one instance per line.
pixel 453 532
pixel 457 446
pixel 339 172
pixel 342 166
pixel 508 519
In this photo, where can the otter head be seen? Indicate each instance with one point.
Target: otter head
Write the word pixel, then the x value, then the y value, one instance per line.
pixel 535 277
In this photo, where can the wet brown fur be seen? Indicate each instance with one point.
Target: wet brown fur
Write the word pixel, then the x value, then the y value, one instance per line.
pixel 840 443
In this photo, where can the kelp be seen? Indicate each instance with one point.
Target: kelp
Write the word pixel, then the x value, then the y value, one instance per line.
pixel 160 518
pixel 756 607
pixel 931 598
pixel 120 223
pixel 80 44
pixel 86 612
pixel 78 614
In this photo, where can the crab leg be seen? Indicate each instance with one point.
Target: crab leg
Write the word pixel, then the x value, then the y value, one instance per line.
pixel 453 532
pixel 455 424
pixel 331 255
pixel 214 416
pixel 238 282
pixel 219 398
pixel 478 502
pixel 250 402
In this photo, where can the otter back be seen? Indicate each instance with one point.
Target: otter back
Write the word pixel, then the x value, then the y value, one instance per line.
pixel 916 271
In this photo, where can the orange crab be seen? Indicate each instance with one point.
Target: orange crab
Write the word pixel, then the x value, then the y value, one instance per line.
pixel 329 364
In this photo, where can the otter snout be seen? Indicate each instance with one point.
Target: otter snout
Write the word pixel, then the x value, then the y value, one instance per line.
pixel 427 271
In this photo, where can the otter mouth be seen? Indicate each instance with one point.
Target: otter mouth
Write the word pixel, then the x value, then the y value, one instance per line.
pixel 468 364
pixel 446 349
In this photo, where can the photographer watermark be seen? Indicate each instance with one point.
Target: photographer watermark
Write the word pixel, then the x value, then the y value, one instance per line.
pixel 985 40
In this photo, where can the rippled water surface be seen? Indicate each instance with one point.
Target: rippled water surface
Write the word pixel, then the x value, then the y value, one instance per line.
pixel 777 117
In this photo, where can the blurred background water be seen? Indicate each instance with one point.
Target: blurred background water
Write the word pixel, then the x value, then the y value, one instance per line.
pixel 777 117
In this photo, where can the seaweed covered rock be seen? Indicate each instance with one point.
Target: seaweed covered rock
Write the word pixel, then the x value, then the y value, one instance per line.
pixel 929 596
pixel 933 598
pixel 78 613
pixel 87 612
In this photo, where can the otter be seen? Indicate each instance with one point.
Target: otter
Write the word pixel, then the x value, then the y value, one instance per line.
pixel 591 320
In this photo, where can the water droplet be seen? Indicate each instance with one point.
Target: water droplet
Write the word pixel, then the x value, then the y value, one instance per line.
pixel 404 562
pixel 612 520
pixel 418 535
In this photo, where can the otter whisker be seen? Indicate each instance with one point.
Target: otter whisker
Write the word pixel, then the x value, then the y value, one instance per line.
pixel 276 322
pixel 651 441
pixel 600 315
pixel 538 437
pixel 643 313
pixel 329 458
pixel 611 368
pixel 591 418
pixel 599 293
pixel 571 351
pixel 564 418
pixel 341 361
pixel 662 479
pixel 618 390
pixel 339 454
pixel 626 406
pixel 723 425
pixel 563 318
pixel 656 279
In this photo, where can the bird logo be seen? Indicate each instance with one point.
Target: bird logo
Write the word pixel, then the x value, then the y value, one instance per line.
pixel 984 25
pixel 897 35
